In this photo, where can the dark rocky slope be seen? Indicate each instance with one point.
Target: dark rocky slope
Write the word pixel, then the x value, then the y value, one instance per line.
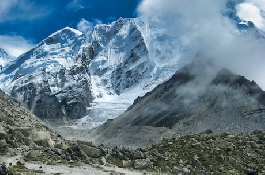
pixel 198 97
pixel 24 135
pixel 206 153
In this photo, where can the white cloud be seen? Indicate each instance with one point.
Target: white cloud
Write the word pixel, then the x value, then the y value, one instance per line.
pixel 76 5
pixel 258 3
pixel 15 45
pixel 84 25
pixel 22 10
pixel 97 21
pixel 111 18
pixel 5 7
pixel 183 16
pixel 200 26
pixel 250 12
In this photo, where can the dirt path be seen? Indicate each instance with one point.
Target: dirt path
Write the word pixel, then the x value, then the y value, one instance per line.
pixel 80 170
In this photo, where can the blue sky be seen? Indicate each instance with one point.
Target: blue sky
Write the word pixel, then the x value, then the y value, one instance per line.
pixel 24 23
pixel 29 21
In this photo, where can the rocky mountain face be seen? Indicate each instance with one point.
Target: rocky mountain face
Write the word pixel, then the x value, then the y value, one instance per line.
pixel 70 75
pixel 52 80
pixel 198 97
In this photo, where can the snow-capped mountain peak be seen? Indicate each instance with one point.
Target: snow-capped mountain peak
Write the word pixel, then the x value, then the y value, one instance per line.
pixel 67 30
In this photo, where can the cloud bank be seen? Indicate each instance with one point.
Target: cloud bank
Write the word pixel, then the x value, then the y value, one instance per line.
pixel 76 5
pixel 15 45
pixel 19 11
pixel 250 12
pixel 23 10
pixel 84 25
pixel 258 3
pixel 5 7
pixel 201 27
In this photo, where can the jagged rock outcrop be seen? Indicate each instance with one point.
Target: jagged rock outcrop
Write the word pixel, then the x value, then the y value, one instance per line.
pixel 198 97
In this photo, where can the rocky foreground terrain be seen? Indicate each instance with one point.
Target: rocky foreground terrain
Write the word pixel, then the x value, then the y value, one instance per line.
pixel 24 136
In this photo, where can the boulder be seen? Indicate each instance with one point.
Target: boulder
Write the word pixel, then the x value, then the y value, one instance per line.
pixel 79 142
pixel 139 155
pixel 26 131
pixel 74 153
pixel 103 161
pixel 34 154
pixel 91 151
pixel 182 171
pixel 42 138
pixel 3 134
pixel 61 145
pixel 21 162
pixel 29 142
pixel 126 164
pixel 1 129
pixel 3 144
pixel 142 164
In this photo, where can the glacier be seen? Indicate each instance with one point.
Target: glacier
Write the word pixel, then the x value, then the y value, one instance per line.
pixel 151 62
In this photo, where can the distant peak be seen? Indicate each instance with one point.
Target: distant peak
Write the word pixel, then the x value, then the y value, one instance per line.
pixel 3 51
pixel 64 33
pixel 4 54
pixel 67 29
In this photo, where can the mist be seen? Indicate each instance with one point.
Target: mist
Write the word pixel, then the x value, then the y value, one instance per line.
pixel 201 27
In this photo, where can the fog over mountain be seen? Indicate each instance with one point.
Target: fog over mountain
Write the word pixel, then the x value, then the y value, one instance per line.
pixel 83 79
pixel 206 27
pixel 200 97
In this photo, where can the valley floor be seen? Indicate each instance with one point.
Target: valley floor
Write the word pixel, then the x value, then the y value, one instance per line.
pixel 34 168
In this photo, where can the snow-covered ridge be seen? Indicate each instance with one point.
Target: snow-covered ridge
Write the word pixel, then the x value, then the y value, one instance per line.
pixel 77 32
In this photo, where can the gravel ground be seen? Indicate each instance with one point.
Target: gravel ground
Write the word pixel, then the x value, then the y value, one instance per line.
pixel 68 170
